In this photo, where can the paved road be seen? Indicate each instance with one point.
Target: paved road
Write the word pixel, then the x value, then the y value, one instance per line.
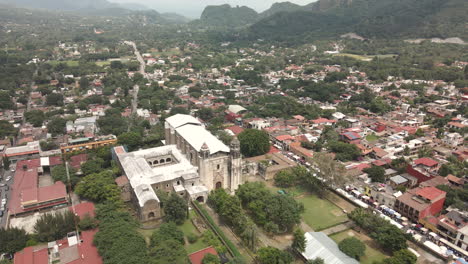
pixel 136 88
pixel 6 194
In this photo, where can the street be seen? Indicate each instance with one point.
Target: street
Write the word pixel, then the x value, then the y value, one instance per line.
pixel 6 194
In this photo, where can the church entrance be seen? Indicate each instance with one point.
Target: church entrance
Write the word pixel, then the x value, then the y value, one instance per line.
pixel 218 185
pixel 201 199
pixel 150 215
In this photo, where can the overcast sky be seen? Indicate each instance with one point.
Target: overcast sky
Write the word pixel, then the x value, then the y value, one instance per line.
pixel 193 8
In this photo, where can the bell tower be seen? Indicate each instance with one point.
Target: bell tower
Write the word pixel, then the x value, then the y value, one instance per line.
pixel 235 164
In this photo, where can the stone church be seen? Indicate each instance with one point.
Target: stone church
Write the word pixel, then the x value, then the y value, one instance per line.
pixel 192 163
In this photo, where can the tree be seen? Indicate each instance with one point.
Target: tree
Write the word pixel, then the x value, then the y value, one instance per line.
pixel 352 247
pixel 167 231
pixel 333 172
pixel 56 126
pixel 12 240
pixel 87 223
pixel 171 251
pixel 6 162
pixel 84 83
pixel 98 187
pixel 271 255
pixel 59 173
pixel 316 261
pixel 205 113
pixel 7 129
pixel 211 259
pixel 285 179
pixel 5 100
pixel 344 151
pixel 299 242
pixel 54 99
pixel 130 139
pixel 254 142
pixel 92 166
pixel 376 173
pixel 50 227
pixel 403 256
pixel 176 209
pixel 35 117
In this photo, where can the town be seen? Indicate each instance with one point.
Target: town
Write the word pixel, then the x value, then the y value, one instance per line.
pixel 119 150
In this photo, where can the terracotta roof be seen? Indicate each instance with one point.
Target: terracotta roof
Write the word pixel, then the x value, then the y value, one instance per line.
pixel 122 180
pixel 455 179
pixel 323 120
pixel 197 257
pixel 430 193
pixel 83 209
pixel 77 160
pixel 235 129
pixel 31 256
pixel 426 162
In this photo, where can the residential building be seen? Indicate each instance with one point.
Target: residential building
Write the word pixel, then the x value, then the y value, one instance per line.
pixel 421 202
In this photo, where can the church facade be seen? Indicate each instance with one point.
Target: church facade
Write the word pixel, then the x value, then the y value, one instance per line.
pixel 192 163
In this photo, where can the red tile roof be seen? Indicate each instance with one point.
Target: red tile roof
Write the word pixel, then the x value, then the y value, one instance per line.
pixel 83 209
pixel 121 181
pixel 235 129
pixel 31 256
pixel 87 251
pixel 323 120
pixel 25 188
pixel 284 137
pixel 426 162
pixel 77 160
pixel 430 193
pixel 197 257
pixel 54 161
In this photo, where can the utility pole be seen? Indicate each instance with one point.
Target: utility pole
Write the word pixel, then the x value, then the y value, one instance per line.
pixel 71 200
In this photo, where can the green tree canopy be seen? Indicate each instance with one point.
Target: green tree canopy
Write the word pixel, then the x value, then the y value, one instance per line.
pixel 56 126
pixel 132 140
pixel 176 209
pixel 271 255
pixel 376 173
pixel 352 247
pixel 12 240
pixel 254 142
pixel 299 242
pixel 98 187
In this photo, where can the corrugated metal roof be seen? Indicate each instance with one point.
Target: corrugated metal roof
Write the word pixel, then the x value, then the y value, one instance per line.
pixel 319 245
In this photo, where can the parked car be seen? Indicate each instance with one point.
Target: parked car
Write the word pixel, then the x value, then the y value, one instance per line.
pixel 2 184
pixel 1 213
pixel 8 178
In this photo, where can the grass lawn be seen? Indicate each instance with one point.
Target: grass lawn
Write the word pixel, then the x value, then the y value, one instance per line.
pixel 70 63
pixel 166 53
pixel 321 214
pixel 372 252
pixel 189 228
pixel 365 57
pixel 292 191
pixel 372 137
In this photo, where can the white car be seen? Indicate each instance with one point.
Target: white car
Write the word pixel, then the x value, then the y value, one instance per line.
pixel 4 201
pixel 8 178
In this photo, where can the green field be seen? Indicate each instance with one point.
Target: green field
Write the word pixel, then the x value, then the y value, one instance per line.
pixel 166 53
pixel 372 253
pixel 321 214
pixel 372 137
pixel 70 63
pixel 364 57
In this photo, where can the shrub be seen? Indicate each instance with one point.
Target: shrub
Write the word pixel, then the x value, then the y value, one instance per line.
pixel 192 238
pixel 352 247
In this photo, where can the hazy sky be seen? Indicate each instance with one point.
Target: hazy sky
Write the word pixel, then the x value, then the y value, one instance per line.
pixel 193 8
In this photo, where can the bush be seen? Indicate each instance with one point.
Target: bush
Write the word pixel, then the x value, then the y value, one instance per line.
pixel 192 238
pixel 352 247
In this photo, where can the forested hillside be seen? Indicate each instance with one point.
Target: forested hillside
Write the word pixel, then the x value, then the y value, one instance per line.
pixel 370 18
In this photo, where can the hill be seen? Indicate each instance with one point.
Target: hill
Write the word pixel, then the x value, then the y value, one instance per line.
pixel 368 18
pixel 99 8
pixel 225 15
pixel 280 7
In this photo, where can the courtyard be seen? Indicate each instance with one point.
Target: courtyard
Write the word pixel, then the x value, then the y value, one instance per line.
pixel 372 253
